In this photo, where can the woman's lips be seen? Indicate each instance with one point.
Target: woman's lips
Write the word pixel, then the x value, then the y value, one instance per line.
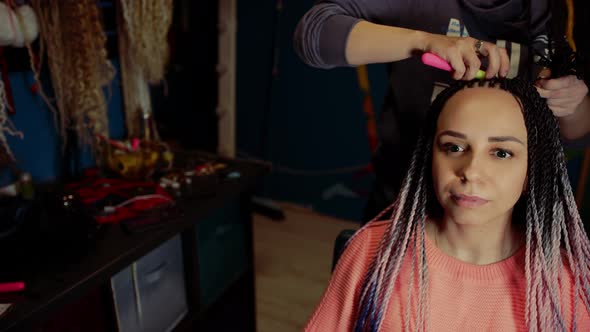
pixel 468 201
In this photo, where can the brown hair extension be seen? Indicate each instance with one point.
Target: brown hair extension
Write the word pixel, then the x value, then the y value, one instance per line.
pixel 72 33
pixel 550 216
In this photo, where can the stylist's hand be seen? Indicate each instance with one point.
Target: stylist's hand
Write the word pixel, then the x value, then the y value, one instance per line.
pixel 563 94
pixel 461 53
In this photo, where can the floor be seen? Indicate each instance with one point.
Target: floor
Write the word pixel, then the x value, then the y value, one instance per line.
pixel 293 261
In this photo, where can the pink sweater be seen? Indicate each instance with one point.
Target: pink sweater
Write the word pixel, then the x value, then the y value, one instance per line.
pixel 463 296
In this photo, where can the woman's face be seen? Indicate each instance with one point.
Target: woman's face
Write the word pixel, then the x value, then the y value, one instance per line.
pixel 479 156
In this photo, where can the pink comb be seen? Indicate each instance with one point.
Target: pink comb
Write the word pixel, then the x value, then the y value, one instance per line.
pixel 433 60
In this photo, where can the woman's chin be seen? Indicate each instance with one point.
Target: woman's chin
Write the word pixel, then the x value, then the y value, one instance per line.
pixel 466 216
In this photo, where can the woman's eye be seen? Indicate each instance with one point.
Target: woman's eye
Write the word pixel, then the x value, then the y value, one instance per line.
pixel 453 148
pixel 503 154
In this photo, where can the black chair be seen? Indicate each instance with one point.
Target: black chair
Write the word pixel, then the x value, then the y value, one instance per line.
pixel 341 240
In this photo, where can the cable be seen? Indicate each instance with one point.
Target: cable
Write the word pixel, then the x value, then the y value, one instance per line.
pixel 110 209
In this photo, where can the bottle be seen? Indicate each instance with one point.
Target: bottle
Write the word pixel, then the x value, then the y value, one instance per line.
pixel 26 188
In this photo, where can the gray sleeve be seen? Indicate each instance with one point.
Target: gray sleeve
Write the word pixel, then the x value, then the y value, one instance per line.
pixel 539 27
pixel 321 34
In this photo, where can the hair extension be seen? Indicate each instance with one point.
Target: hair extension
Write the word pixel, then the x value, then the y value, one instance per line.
pixel 143 47
pixel 84 41
pixel 50 44
pixel 6 126
pixel 563 58
pixel 550 216
pixel 72 34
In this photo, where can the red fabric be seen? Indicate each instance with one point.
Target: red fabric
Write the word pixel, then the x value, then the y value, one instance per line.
pixel 100 192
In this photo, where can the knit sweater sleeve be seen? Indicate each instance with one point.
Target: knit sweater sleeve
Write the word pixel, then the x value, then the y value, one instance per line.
pixel 339 304
pixel 321 34
pixel 539 27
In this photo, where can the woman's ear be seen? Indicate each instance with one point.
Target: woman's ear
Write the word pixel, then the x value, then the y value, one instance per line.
pixel 7 24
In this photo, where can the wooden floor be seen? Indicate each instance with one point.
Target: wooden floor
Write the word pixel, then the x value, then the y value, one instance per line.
pixel 293 262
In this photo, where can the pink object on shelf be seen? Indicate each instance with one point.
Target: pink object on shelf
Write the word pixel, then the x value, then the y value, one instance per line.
pixel 135 144
pixel 12 287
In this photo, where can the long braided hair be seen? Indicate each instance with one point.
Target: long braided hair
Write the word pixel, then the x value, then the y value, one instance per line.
pixel 548 212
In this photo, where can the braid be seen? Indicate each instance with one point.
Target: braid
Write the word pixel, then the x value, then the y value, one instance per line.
pixel 553 228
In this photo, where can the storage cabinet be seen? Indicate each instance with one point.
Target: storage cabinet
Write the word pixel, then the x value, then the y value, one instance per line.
pixel 222 251
pixel 150 294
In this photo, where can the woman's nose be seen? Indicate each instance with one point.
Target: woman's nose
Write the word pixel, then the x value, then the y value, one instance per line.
pixel 471 168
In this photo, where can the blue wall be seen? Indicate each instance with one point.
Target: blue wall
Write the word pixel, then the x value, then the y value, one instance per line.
pixel 40 151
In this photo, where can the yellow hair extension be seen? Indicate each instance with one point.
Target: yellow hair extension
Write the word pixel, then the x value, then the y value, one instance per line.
pixel 143 27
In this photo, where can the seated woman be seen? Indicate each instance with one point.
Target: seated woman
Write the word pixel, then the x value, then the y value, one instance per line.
pixel 485 235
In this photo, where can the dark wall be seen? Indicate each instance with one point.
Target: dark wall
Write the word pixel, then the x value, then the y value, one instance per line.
pixel 300 118
pixel 186 114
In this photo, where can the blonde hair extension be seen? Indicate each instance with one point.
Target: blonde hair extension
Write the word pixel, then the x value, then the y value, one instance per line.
pixel 147 23
pixel 143 27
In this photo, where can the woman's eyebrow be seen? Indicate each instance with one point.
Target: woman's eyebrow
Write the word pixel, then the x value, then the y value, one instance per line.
pixel 490 139
pixel 504 139
pixel 452 133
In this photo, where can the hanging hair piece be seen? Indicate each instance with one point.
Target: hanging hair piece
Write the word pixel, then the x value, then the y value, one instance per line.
pixel 6 126
pixel 73 37
pixel 147 23
pixel 143 27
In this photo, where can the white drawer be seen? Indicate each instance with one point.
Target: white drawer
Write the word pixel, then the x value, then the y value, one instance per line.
pixel 150 294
